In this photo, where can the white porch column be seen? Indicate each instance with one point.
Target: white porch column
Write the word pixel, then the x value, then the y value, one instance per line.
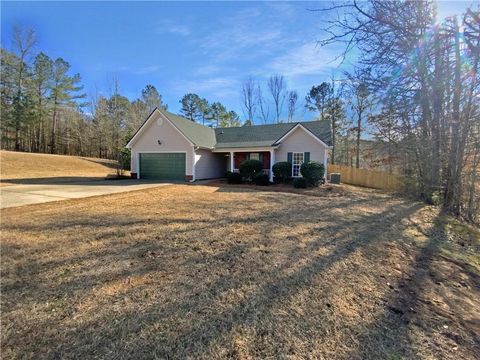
pixel 231 161
pixel 272 161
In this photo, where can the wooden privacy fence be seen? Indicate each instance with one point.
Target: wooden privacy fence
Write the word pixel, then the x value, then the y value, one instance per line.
pixel 368 178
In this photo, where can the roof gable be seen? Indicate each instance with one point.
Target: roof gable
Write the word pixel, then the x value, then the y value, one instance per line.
pixel 300 126
pixel 197 134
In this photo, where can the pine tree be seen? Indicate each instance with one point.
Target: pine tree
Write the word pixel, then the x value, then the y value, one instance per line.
pixel 229 119
pixel 63 93
pixel 41 83
pixel 152 99
pixel 317 98
pixel 191 107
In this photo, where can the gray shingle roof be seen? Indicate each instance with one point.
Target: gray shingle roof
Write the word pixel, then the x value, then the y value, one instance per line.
pixel 267 135
pixel 243 136
pixel 198 134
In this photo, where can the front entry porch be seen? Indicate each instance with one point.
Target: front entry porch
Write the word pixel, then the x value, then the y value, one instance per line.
pixel 267 157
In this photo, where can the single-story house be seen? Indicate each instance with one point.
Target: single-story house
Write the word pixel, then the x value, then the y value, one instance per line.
pixel 170 147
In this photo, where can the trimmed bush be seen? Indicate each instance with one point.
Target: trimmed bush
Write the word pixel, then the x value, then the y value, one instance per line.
pixel 300 183
pixel 261 179
pixel 282 171
pixel 313 172
pixel 234 178
pixel 250 168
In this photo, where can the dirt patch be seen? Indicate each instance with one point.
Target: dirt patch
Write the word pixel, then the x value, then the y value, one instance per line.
pixel 221 272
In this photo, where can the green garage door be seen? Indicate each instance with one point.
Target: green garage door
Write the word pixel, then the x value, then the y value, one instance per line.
pixel 162 166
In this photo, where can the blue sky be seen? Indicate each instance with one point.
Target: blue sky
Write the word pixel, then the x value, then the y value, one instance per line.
pixel 207 48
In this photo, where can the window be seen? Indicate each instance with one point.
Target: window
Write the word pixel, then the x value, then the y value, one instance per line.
pixel 297 162
pixel 254 156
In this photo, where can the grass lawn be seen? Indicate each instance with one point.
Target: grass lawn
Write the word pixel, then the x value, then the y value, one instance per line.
pixel 222 272
pixel 18 166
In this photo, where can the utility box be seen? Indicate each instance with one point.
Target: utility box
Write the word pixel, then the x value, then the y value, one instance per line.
pixel 335 178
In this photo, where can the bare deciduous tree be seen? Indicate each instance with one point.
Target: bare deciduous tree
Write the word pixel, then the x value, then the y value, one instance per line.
pixel 249 101
pixel 292 104
pixel 278 88
pixel 263 106
pixel 360 102
pixel 427 72
pixel 23 42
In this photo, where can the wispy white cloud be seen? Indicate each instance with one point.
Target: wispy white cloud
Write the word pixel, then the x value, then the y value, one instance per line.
pixel 306 59
pixel 283 9
pixel 122 68
pixel 102 67
pixel 217 87
pixel 244 30
pixel 146 70
pixel 169 26
pixel 258 41
pixel 208 69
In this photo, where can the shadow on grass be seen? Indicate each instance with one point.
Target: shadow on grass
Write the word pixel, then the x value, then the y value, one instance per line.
pixel 84 181
pixel 61 180
pixel 204 278
pixel 420 304
pixel 190 315
pixel 322 191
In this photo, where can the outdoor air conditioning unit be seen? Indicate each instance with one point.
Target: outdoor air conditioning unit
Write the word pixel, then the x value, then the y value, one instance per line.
pixel 335 178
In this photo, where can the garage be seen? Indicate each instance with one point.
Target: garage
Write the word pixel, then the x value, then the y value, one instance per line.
pixel 162 166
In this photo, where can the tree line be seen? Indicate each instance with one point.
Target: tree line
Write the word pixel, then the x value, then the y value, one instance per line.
pixel 44 108
pixel 215 114
pixel 255 106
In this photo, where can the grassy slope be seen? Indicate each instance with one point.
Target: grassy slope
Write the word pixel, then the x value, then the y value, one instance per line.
pixel 18 165
pixel 206 272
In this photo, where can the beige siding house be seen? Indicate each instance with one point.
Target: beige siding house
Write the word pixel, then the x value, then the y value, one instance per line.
pixel 170 147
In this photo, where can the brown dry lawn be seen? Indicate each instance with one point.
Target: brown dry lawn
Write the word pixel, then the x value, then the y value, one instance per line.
pixel 223 272
pixel 19 166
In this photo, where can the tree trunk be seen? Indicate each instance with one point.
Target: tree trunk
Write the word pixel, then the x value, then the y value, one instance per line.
pixel 452 191
pixel 333 137
pixel 437 113
pixel 17 137
pixel 54 128
pixel 359 132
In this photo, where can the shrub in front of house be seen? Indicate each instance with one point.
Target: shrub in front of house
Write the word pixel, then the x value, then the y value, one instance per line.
pixel 312 172
pixel 261 179
pixel 250 168
pixel 300 183
pixel 234 178
pixel 282 171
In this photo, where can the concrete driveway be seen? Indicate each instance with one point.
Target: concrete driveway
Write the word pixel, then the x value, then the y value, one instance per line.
pixel 36 193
